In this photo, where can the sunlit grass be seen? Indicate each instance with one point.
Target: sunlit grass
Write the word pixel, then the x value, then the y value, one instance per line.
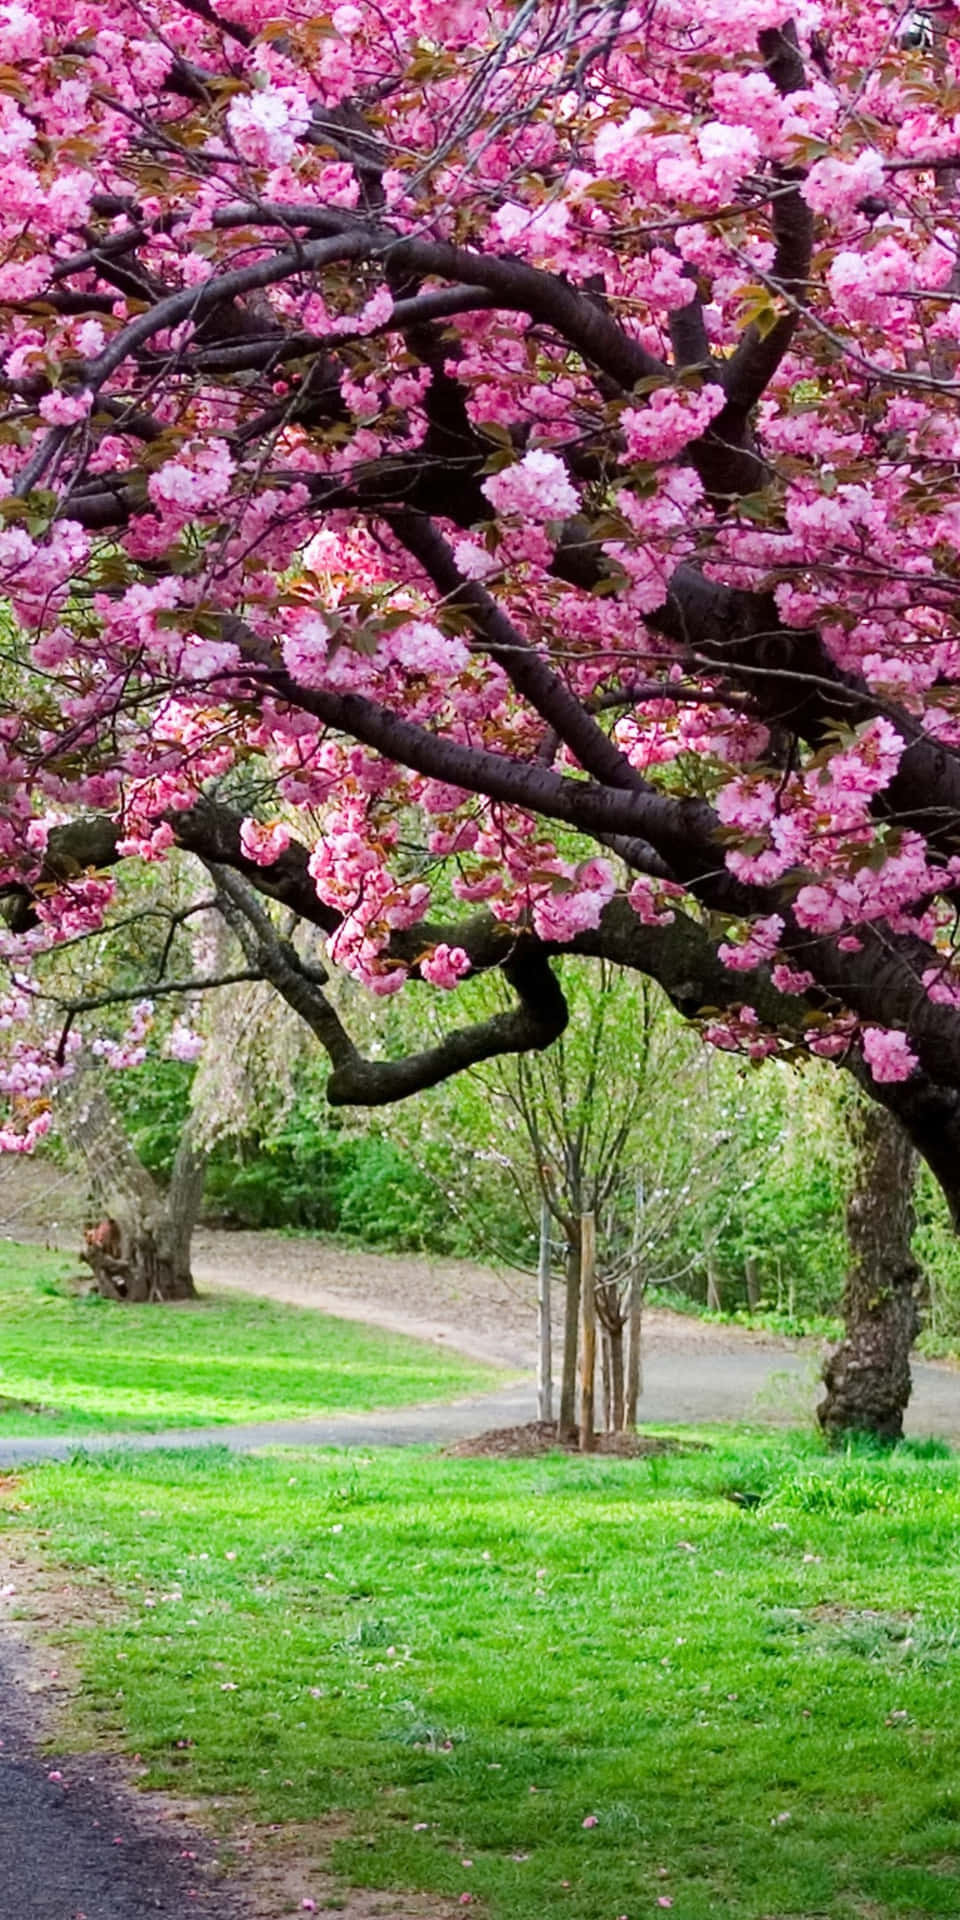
pixel 753 1707
pixel 72 1364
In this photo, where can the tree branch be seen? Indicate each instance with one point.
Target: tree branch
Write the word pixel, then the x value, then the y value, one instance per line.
pixel 751 368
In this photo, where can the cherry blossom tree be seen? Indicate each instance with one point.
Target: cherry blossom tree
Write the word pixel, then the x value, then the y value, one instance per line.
pixel 485 478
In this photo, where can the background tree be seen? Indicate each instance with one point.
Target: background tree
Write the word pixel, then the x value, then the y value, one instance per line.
pixel 165 941
pixel 626 1117
pixel 138 1248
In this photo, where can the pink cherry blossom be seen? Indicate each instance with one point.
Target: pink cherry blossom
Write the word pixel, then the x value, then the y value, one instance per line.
pixel 537 486
pixel 65 409
pixel 888 1054
pixel 498 490
pixel 263 843
pixel 266 125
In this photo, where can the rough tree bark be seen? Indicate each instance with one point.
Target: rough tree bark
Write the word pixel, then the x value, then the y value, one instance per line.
pixel 868 1376
pixel 139 1249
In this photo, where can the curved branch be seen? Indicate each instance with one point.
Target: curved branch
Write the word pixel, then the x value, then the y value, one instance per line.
pixel 527 671
pixel 516 287
pixel 681 831
pixel 539 1017
pixel 751 368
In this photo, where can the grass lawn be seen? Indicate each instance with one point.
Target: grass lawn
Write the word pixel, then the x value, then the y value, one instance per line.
pixel 93 1365
pixel 722 1683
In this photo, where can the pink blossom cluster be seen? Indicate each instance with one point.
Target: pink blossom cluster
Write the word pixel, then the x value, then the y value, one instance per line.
pixel 266 125
pixel 263 842
pixel 222 437
pixel 537 488
pixel 130 1050
pixel 757 945
pixel 672 418
pixel 888 1054
pixel 574 902
pixel 184 1043
pixel 445 966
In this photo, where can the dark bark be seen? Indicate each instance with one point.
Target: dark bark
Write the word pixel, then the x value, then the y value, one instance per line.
pixel 868 1377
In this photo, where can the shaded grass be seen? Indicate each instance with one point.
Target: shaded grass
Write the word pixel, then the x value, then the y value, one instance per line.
pixel 90 1364
pixel 756 1704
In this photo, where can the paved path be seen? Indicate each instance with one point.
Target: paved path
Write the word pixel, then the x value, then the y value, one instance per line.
pixel 764 1383
pixel 74 1848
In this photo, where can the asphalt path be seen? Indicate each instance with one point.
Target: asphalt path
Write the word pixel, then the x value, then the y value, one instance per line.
pixel 764 1383
pixel 74 1847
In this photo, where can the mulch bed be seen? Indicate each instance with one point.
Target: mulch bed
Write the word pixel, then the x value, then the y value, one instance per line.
pixel 542 1436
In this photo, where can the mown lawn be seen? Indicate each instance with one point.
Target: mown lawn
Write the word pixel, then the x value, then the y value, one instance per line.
pixel 724 1683
pixel 89 1364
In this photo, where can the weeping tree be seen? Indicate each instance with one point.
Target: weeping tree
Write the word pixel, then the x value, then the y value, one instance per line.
pixel 137 986
pixel 867 1378
pixel 138 1249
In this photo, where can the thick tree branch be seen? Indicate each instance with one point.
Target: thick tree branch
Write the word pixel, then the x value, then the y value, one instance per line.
pixel 539 1017
pixel 749 371
pixel 515 286
pixel 528 672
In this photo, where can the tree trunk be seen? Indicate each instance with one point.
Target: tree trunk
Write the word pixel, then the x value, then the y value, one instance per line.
pixel 606 1378
pixel 616 1421
pixel 588 1305
pixel 182 1203
pixel 752 1283
pixel 634 1353
pixel 713 1285
pixel 139 1248
pixel 868 1377
pixel 544 1327
pixel 571 1335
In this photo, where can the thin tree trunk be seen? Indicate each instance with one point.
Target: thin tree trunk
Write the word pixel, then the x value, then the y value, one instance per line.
pixel 606 1377
pixel 713 1285
pixel 868 1376
pixel 544 1328
pixel 615 1337
pixel 588 1306
pixel 182 1203
pixel 752 1283
pixel 571 1335
pixel 634 1352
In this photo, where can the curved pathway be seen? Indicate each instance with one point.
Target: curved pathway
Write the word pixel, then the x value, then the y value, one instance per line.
pixel 759 1381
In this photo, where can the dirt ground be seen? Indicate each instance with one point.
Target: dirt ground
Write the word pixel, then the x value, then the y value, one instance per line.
pixel 486 1314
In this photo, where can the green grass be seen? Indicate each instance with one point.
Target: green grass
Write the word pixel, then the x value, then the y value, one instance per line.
pixel 93 1365
pixel 757 1704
